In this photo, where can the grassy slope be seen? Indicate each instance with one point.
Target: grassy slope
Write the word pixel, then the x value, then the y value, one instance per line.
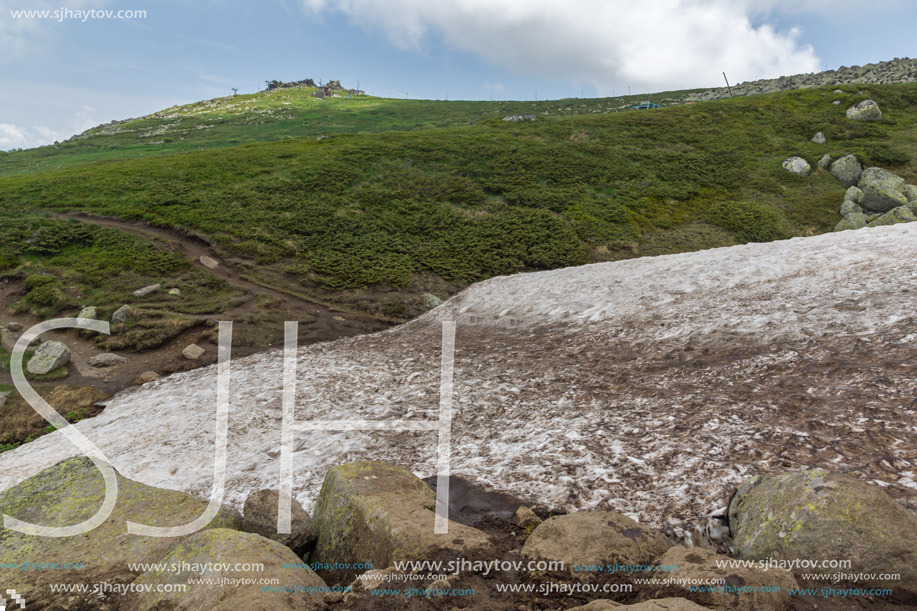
pixel 447 188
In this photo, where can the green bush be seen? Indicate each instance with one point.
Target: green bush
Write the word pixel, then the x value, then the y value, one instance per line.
pixel 750 221
pixel 882 155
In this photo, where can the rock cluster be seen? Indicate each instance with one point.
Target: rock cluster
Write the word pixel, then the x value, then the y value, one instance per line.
pixel 874 196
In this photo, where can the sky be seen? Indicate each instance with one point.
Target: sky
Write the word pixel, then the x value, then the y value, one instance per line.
pixel 63 74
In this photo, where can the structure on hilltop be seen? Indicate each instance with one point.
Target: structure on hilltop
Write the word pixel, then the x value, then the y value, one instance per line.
pixel 324 91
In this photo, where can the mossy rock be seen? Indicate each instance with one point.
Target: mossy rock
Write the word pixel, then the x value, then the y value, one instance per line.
pixel 69 493
pixel 818 515
pixel 378 513
pixel 700 565
pixel 221 546
pixel 589 538
pixel 901 214
pixel 881 190
pixel 855 220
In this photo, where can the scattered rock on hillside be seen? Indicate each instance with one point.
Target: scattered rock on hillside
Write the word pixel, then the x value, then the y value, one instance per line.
pixel 850 207
pixel 224 546
pixel 825 161
pixel 797 165
pixel 379 513
pixel 193 352
pixel 700 565
pixel 515 118
pixel 821 515
pixel 819 138
pixel 857 220
pixel 847 170
pixel 14 326
pixel 881 190
pixel 175 292
pixel 901 214
pixel 146 377
pixel 48 357
pixel 260 517
pixel 89 313
pixel 147 290
pixel 836 102
pixel 70 492
pixel 594 538
pixel 431 301
pixel 867 110
pixel 106 359
pixel 209 262
pixel 4 397
pixel 121 314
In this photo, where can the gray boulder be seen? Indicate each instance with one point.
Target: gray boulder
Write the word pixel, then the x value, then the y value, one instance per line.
pixel 867 110
pixel 881 190
pixel 700 565
pixel 847 170
pixel 69 493
pixel 820 515
pixel 849 207
pixel 824 162
pixel 88 313
pixel 4 397
pixel 380 513
pixel 819 138
pixel 209 262
pixel 14 326
pixel 797 165
pixel 48 357
pixel 192 352
pixel 147 290
pixel 175 292
pixel 304 589
pixel 910 192
pixel 852 221
pixel 106 359
pixel 901 214
pixel 121 314
pixel 260 517
pixel 854 194
pixel 588 538
pixel 146 377
pixel 431 301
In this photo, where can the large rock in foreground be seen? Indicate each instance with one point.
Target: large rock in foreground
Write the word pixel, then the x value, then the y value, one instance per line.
pixel 48 357
pixel 594 538
pixel 379 513
pixel 302 589
pixel 819 515
pixel 69 493
pixel 881 190
pixel 260 517
pixel 742 588
pixel 867 110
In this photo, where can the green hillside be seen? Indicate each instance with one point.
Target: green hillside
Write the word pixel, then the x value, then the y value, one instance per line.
pixel 410 194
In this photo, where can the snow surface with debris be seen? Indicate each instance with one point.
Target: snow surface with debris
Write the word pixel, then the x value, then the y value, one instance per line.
pixel 652 386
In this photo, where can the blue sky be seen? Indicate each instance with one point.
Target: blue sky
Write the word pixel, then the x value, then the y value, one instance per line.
pixel 60 77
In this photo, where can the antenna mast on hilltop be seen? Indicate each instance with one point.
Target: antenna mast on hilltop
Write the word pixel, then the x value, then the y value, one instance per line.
pixel 235 90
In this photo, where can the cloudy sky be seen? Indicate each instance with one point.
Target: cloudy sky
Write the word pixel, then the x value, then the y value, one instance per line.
pixel 63 74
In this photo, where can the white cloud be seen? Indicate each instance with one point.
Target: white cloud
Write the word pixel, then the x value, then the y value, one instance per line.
pixel 604 43
pixel 17 136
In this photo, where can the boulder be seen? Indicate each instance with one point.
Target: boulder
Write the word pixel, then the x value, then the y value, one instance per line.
pixel 259 516
pixel 192 352
pixel 48 357
pixel 819 138
pixel 849 207
pixel 867 110
pixel 910 192
pixel 526 518
pixel 106 359
pixel 175 292
pixel 431 301
pixel 209 262
pixel 820 515
pixel 901 214
pixel 847 170
pixel 881 190
pixel 852 221
pixel 742 590
pixel 304 589
pixel 594 538
pixel 797 165
pixel 146 377
pixel 14 326
pixel 70 492
pixel 380 513
pixel 121 314
pixel 89 313
pixel 854 194
pixel 4 397
pixel 147 290
pixel 824 162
